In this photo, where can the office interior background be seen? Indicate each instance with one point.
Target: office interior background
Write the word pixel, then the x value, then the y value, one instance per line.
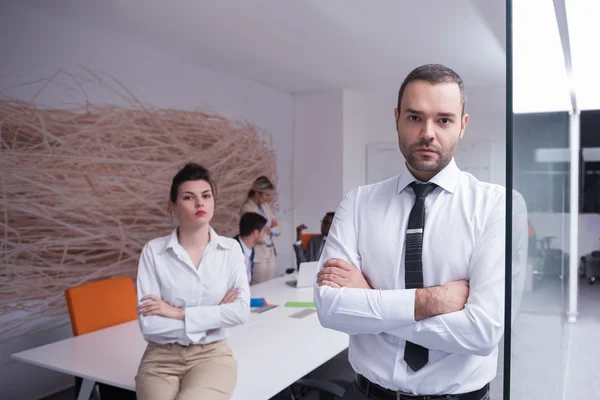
pixel 318 82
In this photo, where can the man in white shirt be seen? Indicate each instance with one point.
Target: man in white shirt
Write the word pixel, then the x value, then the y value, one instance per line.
pixel 414 265
pixel 252 231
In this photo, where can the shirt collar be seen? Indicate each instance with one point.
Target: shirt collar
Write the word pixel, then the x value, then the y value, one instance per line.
pixel 215 240
pixel 447 178
pixel 245 249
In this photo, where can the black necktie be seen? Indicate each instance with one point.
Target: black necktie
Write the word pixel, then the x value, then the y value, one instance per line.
pixel 416 356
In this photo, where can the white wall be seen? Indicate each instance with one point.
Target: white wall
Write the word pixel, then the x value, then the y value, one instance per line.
pixel 34 45
pixel 318 156
pixel 330 136
pixel 333 129
pixel 355 137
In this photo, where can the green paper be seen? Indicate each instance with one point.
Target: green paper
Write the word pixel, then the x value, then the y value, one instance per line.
pixel 300 304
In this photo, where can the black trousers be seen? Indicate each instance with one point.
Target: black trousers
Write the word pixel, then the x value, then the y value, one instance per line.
pixel 354 393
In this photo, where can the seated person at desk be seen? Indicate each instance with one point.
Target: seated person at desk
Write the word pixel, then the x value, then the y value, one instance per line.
pixel 316 242
pixel 252 231
pixel 192 285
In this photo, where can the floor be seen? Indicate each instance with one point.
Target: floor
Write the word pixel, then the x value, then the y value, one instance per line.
pixel 551 359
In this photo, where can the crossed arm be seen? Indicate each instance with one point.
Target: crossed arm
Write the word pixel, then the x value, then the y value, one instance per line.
pixel 458 317
pixel 161 321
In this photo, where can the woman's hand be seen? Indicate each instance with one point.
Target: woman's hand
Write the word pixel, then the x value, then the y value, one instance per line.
pixel 154 305
pixel 230 296
pixel 274 223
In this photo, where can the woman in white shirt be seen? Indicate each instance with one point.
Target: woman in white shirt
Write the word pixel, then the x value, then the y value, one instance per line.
pixel 192 285
pixel 257 201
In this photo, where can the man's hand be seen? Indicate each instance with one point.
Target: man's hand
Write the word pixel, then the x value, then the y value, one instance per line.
pixel 230 296
pixel 299 230
pixel 338 273
pixel 437 300
pixel 454 296
pixel 274 223
pixel 154 305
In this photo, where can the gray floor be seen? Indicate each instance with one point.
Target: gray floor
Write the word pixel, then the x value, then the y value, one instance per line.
pixel 550 358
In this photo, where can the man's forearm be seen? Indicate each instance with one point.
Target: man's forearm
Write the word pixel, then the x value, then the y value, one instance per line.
pixel 427 302
pixel 437 300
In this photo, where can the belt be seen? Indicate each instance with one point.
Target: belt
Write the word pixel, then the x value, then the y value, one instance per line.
pixel 373 390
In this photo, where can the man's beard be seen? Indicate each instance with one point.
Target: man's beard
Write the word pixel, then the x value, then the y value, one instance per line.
pixel 417 163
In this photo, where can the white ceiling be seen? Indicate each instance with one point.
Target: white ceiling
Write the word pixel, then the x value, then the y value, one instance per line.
pixel 308 45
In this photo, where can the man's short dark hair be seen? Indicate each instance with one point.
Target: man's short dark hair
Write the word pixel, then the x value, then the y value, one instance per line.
pixel 434 74
pixel 330 214
pixel 251 222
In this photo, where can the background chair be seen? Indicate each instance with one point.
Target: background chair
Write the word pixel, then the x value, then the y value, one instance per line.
pixel 97 305
pixel 314 389
pixel 305 238
pixel 591 266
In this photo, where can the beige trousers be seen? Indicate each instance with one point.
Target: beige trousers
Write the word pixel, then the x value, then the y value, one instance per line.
pixel 172 371
pixel 264 263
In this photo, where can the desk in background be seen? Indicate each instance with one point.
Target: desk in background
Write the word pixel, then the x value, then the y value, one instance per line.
pixel 273 350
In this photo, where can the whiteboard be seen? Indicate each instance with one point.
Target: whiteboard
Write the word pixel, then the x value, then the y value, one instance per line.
pixel 384 161
pixel 475 157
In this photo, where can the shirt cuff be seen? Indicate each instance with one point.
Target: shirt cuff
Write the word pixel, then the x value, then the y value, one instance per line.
pixel 298 243
pixel 399 307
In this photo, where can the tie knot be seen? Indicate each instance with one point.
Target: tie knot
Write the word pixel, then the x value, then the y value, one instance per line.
pixel 422 189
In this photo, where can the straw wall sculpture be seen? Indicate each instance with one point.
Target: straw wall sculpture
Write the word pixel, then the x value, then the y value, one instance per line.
pixel 83 189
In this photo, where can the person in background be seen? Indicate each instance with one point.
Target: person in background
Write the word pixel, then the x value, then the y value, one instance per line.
pixel 315 244
pixel 258 199
pixel 414 266
pixel 252 232
pixel 192 285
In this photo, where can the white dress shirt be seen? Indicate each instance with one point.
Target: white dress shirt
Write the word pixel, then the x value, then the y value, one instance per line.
pixel 464 237
pixel 166 270
pixel 247 253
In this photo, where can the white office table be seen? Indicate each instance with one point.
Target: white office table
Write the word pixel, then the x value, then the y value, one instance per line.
pixel 272 349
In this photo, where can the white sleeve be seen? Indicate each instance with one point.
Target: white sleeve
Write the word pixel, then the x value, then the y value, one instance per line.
pixel 154 328
pixel 478 328
pixel 357 311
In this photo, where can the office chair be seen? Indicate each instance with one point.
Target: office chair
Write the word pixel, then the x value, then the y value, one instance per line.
pixel 97 305
pixel 591 266
pixel 316 389
pixel 304 239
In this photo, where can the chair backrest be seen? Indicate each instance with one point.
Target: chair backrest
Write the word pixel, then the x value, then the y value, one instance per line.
pixel 101 304
pixel 305 238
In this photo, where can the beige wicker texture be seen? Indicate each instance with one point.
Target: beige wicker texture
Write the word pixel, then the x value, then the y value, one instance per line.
pixel 83 189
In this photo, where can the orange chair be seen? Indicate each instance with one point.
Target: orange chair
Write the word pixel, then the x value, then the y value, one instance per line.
pixel 101 304
pixel 98 305
pixel 305 238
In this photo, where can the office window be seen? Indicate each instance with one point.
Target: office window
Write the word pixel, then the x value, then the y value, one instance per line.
pixel 590 159
pixel 541 160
